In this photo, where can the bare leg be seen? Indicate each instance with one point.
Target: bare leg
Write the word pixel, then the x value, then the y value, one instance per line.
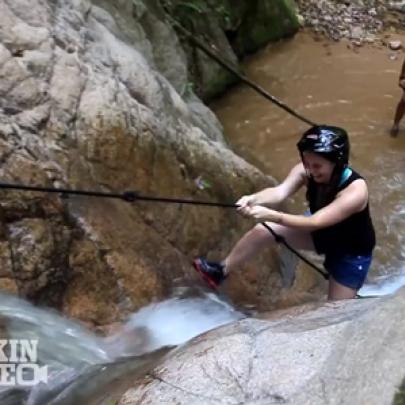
pixel 338 291
pixel 399 113
pixel 259 237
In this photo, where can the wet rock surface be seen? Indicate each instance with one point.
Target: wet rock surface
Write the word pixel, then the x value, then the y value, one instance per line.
pixel 341 353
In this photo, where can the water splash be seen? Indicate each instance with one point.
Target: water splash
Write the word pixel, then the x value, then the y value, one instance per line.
pixel 384 285
pixel 171 323
pixel 81 364
pixel 61 341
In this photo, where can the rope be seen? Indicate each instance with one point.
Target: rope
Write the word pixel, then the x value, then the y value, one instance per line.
pixel 129 196
pixel 242 77
pixel 264 93
pixel 267 95
pixel 280 239
pixel 132 196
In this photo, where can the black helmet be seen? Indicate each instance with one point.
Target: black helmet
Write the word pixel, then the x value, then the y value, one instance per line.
pixel 330 142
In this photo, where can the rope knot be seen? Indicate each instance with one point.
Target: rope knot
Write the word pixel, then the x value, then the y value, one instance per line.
pixel 129 196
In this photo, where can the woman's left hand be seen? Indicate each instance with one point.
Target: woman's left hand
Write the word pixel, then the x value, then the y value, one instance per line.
pixel 262 213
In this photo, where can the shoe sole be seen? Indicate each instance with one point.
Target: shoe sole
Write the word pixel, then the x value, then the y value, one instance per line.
pixel 197 266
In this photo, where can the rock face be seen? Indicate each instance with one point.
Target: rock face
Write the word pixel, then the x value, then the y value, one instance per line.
pixel 343 353
pixel 91 98
pixel 232 29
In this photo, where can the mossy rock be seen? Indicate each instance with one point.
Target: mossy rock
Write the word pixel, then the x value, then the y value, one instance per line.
pixel 400 396
pixel 232 29
pixel 265 21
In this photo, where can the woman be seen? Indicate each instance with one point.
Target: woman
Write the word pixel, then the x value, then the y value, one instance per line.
pixel 338 224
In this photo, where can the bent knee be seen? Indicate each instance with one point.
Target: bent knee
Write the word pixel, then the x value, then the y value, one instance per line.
pixel 260 230
pixel 267 231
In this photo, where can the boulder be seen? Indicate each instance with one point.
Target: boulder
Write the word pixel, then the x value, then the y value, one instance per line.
pixel 347 352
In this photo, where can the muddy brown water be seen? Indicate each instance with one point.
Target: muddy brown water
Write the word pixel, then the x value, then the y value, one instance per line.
pixel 328 83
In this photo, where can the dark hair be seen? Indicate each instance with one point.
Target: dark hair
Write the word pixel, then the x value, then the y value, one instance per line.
pixel 330 142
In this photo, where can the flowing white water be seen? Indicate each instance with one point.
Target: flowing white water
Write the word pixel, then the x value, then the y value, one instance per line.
pixel 74 354
pixel 82 364
pixel 384 285
pixel 173 322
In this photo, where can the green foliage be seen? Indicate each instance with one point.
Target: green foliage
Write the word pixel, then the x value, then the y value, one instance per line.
pixel 187 89
pixel 399 398
pixel 224 13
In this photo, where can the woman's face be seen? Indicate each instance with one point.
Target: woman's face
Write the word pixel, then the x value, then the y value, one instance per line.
pixel 319 168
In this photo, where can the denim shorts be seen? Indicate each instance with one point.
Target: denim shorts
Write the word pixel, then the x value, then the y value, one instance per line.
pixel 348 270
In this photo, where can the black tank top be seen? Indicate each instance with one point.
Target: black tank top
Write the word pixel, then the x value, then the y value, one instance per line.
pixel 354 235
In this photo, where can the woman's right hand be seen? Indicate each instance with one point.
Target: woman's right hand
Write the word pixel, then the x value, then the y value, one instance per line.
pixel 246 201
